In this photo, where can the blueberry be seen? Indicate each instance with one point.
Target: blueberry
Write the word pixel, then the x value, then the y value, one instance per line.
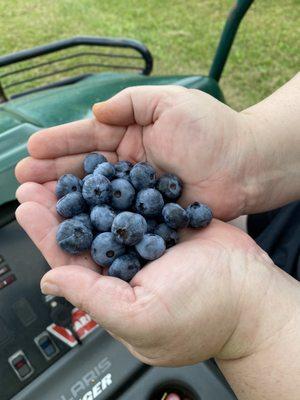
pixel 73 236
pixel 132 251
pixel 85 219
pixel 122 194
pixel 106 169
pixel 86 177
pixel 200 215
pixel 105 249
pixel 169 235
pixel 91 161
pixel 142 175
pixel 129 228
pixel 96 190
pixel 67 183
pixel 149 202
pixel 151 225
pixel 170 186
pixel 175 216
pixel 71 204
pixel 125 267
pixel 122 169
pixel 102 218
pixel 151 246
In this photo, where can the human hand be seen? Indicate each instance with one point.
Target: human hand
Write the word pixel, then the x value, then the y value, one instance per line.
pixel 177 130
pixel 201 299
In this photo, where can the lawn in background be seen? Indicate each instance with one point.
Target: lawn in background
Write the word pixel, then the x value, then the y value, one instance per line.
pixel 182 36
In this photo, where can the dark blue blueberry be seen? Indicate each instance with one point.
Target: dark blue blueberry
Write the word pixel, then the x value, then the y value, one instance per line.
pixel 131 250
pixel 105 249
pixel 73 236
pixel 151 246
pixel 175 216
pixel 170 186
pixel 142 175
pixel 151 225
pixel 85 219
pixel 102 218
pixel 169 235
pixel 149 202
pixel 200 215
pixel 91 161
pixel 71 204
pixel 96 190
pixel 122 169
pixel 125 267
pixel 122 194
pixel 129 228
pixel 67 183
pixel 106 169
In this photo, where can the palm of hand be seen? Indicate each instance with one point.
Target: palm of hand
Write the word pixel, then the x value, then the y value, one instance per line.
pixel 159 310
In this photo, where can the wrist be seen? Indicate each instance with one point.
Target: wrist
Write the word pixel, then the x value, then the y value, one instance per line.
pixel 272 170
pixel 264 171
pixel 269 306
pixel 265 361
pixel 253 174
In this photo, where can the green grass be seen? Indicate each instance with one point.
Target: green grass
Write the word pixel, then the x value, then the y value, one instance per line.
pixel 182 36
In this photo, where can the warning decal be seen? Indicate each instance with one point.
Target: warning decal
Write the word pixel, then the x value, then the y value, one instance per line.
pixel 83 325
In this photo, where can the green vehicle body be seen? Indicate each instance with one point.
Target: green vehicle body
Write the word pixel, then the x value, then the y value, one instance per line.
pixel 21 117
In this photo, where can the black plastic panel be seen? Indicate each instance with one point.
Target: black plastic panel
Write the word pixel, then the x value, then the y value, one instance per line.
pixel 101 365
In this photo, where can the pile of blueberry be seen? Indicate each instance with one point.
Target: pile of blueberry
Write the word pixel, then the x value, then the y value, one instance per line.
pixel 123 213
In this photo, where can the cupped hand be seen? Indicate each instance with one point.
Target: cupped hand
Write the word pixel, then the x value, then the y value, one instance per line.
pixel 185 307
pixel 177 130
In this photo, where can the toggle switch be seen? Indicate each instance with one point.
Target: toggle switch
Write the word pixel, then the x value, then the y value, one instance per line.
pixel 21 365
pixel 46 345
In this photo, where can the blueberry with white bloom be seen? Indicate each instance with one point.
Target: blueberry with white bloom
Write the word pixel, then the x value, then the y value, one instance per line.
pixel 105 249
pixel 67 183
pixel 200 215
pixel 73 236
pixel 91 161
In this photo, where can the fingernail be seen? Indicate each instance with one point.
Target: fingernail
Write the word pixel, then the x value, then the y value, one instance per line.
pixel 97 105
pixel 50 288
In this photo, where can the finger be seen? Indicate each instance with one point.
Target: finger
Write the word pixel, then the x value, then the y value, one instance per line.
pixel 141 105
pixel 106 299
pixel 51 185
pixel 32 191
pixel 74 138
pixel 41 226
pixel 37 170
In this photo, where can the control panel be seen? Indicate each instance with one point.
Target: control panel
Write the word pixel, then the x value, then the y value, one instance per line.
pixel 51 350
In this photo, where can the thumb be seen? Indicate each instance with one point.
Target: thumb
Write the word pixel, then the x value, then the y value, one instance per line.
pixel 141 105
pixel 107 300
